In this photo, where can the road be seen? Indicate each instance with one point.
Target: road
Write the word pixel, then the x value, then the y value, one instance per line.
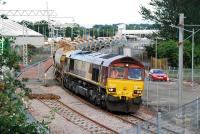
pixel 165 94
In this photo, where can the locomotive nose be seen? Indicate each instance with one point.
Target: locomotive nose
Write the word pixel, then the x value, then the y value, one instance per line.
pixel 128 89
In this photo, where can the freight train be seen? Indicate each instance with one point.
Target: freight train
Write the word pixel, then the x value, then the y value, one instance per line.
pixel 114 82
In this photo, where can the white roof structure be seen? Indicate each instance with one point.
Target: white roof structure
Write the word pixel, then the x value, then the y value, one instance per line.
pixel 138 32
pixel 22 35
pixel 11 28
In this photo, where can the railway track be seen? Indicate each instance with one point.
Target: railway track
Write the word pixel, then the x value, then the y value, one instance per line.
pixel 149 127
pixel 132 122
pixel 132 119
pixel 77 118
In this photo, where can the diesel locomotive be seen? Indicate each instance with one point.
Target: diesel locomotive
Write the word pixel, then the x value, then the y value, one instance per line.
pixel 114 82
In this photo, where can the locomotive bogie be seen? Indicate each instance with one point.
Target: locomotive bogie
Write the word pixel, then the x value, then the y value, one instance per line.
pixel 114 104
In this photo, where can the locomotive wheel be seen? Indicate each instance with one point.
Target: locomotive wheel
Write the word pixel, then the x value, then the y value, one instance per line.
pixel 107 107
pixel 61 81
pixel 91 96
pixel 98 100
pixel 66 83
pixel 103 102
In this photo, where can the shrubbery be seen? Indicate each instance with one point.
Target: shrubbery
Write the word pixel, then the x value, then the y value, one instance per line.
pixel 13 114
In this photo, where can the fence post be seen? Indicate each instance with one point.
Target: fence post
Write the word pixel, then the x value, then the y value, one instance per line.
pixel 157 97
pixel 198 113
pixel 148 92
pixel 158 122
pixel 39 70
pixel 138 129
pixel 169 98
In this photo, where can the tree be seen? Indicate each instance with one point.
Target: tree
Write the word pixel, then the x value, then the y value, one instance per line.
pixel 9 57
pixel 169 49
pixel 2 2
pixel 39 26
pixel 3 16
pixel 166 12
pixel 13 114
pixel 142 26
pixel 104 30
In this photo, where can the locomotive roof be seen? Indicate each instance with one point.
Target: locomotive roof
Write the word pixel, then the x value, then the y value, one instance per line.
pixel 95 57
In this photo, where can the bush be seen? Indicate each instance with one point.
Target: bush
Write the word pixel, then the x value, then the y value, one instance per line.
pixel 13 115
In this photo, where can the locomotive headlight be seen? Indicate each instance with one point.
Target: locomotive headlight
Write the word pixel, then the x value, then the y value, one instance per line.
pixel 112 89
pixel 137 91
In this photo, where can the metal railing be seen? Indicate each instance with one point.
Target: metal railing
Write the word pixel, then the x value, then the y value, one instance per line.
pixel 184 120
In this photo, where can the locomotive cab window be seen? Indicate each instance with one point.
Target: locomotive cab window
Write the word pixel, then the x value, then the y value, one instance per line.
pixel 117 72
pixel 71 66
pixel 135 74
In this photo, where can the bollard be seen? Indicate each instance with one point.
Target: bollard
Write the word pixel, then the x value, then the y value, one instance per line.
pixel 158 122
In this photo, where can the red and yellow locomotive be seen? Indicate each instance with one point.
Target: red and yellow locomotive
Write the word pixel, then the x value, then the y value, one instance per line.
pixel 115 82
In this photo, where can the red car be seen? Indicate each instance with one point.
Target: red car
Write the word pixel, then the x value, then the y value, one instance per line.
pixel 158 75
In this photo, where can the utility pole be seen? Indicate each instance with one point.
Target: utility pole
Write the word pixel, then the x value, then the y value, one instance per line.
pixel 180 69
pixel 25 46
pixel 51 30
pixel 192 57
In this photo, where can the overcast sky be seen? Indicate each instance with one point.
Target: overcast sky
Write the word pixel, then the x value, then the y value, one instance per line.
pixel 85 12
